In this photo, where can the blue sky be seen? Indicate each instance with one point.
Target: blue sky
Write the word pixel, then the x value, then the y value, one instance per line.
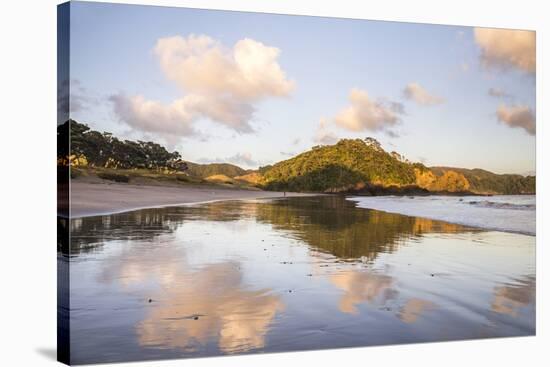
pixel 422 90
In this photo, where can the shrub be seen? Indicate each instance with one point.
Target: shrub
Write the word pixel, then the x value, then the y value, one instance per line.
pixel 113 177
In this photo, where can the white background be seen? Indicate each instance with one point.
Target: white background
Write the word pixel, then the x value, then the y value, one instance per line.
pixel 28 184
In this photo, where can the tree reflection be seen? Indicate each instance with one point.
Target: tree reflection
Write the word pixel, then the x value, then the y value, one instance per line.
pixel 336 226
pixel 327 223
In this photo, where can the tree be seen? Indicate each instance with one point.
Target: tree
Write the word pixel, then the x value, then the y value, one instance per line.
pixel 372 142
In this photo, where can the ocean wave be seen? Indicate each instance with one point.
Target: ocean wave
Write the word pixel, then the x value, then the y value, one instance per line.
pixel 501 205
pixel 507 213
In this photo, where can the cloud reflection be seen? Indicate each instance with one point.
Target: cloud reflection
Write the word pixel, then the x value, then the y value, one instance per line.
pixel 375 289
pixel 195 307
pixel 509 299
pixel 414 307
pixel 362 287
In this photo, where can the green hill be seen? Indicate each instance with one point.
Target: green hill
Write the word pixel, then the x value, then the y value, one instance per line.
pixel 103 150
pixel 211 169
pixel 362 166
pixel 350 164
pixel 485 182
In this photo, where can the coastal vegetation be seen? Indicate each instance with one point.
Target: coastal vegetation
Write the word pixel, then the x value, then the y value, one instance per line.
pixel 363 167
pixel 358 166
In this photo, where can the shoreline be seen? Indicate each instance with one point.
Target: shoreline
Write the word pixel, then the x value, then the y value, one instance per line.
pixel 417 212
pixel 96 199
pixel 89 199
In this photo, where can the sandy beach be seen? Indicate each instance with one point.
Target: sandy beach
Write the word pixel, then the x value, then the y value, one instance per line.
pixel 190 281
pixel 89 199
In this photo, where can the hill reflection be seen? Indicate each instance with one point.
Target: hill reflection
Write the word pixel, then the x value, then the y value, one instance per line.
pixel 329 224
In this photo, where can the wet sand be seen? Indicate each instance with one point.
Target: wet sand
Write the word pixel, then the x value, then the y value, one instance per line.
pixel 89 199
pixel 262 276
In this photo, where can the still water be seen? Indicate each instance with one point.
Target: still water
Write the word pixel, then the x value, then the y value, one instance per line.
pixel 288 274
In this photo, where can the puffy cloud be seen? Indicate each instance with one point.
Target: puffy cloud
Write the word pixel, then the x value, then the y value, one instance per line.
pixel 504 48
pixel 364 113
pixel 219 84
pixel 517 117
pixel 417 93
pixel 199 64
pixel 498 93
pixel 156 117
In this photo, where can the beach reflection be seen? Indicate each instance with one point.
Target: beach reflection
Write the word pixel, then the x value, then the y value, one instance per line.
pixel 292 274
pixel 212 305
pixel 193 306
pixel 413 309
pixel 510 299
pixel 362 287
pixel 329 224
pixel 376 290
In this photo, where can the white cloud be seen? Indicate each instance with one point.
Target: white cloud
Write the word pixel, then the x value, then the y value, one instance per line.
pixel 417 93
pixel 199 64
pixel 517 117
pixel 363 113
pixel 504 48
pixel 219 84
pixel 323 135
pixel 155 117
pixel 239 159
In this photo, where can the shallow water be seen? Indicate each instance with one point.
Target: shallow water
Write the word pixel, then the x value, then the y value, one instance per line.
pixel 508 213
pixel 288 274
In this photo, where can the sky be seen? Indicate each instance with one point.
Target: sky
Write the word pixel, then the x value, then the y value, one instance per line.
pixel 253 89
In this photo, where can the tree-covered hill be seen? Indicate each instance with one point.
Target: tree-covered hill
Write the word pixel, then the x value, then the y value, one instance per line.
pixel 349 164
pixel 485 182
pixel 362 166
pixel 211 169
pixel 90 148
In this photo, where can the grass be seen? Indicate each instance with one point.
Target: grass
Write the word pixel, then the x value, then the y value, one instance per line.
pixel 145 176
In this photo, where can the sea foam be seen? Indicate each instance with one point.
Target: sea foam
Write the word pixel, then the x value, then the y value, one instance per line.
pixel 508 213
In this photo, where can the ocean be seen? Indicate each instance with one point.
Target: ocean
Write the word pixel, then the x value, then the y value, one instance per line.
pixel 507 213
